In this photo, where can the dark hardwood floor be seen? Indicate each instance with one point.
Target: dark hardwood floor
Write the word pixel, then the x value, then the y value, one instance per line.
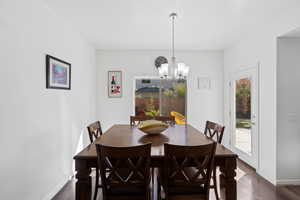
pixel 250 187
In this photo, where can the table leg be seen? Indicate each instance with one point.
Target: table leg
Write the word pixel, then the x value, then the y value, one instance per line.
pixel 84 180
pixel 227 178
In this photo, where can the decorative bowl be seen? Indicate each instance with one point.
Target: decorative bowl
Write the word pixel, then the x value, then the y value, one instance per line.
pixel 152 127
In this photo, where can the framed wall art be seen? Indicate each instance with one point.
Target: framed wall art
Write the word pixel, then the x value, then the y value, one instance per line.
pixel 115 84
pixel 58 73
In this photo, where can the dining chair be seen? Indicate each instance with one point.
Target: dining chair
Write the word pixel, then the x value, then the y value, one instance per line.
pixel 167 119
pixel 186 172
pixel 215 132
pixel 95 131
pixel 135 120
pixel 125 172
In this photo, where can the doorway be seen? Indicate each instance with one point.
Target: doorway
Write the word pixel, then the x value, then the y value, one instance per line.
pixel 244 90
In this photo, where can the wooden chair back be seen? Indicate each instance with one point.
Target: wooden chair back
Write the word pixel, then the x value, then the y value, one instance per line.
pixel 167 119
pixel 214 131
pixel 187 168
pixel 135 120
pixel 94 131
pixel 124 168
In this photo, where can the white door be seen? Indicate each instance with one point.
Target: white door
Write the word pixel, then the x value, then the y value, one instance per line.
pixel 244 115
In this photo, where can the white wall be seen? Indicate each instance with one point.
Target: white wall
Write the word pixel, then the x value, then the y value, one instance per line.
pixel 39 127
pixel 260 46
pixel 288 111
pixel 202 104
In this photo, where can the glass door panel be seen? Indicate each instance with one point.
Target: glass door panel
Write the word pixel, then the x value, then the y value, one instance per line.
pixel 243 115
pixel 154 96
pixel 147 97
pixel 173 97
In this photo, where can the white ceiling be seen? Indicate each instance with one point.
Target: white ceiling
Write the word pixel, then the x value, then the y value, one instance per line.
pixel 144 24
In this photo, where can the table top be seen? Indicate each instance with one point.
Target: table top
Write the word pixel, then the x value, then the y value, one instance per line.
pixel 126 135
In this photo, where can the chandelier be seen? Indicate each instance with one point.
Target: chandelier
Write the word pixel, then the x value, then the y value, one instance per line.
pixel 174 70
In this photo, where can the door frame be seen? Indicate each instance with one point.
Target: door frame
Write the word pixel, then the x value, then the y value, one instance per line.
pixel 252 72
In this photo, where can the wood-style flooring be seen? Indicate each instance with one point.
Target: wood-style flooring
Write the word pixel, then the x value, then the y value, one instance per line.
pixel 250 186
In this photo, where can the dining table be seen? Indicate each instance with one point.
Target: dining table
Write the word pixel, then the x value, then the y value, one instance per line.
pixel 121 135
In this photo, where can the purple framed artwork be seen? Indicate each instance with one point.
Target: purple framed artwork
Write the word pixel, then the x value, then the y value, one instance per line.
pixel 58 73
pixel 115 84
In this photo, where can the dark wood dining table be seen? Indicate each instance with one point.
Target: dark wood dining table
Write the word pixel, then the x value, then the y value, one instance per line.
pixel 126 135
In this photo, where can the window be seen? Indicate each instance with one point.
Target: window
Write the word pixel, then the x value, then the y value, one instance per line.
pixel 156 96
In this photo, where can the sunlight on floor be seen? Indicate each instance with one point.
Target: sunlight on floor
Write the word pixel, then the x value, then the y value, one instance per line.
pixel 243 140
pixel 239 174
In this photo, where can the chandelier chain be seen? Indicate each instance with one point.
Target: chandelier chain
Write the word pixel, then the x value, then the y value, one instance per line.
pixel 173 36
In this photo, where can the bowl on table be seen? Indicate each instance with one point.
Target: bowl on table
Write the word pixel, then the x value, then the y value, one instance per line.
pixel 152 127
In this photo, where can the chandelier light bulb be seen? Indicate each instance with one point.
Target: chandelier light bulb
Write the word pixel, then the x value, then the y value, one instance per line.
pixel 163 70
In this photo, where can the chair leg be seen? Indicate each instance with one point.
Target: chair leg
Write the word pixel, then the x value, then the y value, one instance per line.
pixel 215 183
pixel 158 189
pixel 96 184
pixel 152 180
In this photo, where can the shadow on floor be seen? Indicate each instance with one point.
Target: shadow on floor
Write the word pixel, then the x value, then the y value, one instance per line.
pixel 250 186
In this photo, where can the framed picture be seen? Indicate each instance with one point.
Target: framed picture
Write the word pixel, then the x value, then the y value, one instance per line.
pixel 58 73
pixel 115 84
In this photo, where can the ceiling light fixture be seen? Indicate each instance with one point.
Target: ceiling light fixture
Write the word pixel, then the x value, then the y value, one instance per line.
pixel 174 70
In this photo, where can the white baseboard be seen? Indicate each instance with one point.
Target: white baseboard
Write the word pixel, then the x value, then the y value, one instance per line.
pixel 288 182
pixel 56 189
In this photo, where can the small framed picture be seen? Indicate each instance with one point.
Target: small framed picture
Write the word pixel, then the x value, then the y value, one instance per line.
pixel 58 73
pixel 115 84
